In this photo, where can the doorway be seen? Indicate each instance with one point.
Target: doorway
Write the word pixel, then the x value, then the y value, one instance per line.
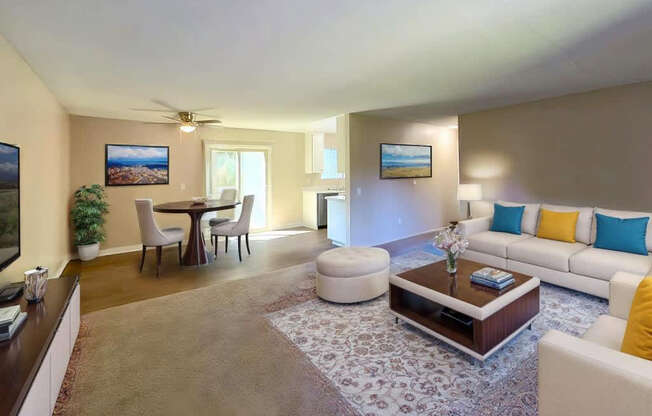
pixel 247 171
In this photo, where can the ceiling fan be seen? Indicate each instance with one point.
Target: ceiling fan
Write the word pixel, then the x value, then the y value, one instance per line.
pixel 188 123
pixel 187 120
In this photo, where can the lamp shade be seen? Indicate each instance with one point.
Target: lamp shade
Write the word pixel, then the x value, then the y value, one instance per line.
pixel 469 192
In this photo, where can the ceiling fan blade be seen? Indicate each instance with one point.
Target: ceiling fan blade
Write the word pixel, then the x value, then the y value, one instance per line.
pixel 152 110
pixel 201 109
pixel 205 115
pixel 173 118
pixel 166 105
pixel 208 122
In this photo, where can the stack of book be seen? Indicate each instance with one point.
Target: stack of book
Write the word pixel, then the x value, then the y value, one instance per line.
pixel 10 320
pixel 494 278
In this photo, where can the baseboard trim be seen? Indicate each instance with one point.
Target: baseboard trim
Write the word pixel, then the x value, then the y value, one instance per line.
pixel 137 247
pixel 411 236
pixel 62 266
pixel 121 250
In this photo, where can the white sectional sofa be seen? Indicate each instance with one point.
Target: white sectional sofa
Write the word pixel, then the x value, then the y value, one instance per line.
pixel 577 266
pixel 590 376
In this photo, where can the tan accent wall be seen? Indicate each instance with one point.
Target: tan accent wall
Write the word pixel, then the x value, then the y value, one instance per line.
pixel 90 134
pixel 589 149
pixel 31 118
pixel 421 204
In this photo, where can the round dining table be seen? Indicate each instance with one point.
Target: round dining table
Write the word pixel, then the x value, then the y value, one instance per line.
pixel 196 253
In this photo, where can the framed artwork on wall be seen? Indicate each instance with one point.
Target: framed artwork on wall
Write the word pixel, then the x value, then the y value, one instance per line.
pixel 127 165
pixel 398 161
pixel 9 204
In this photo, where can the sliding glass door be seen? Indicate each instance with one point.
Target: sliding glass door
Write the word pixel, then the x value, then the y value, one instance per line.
pixel 246 171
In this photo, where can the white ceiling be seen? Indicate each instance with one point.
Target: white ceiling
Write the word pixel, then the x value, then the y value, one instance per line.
pixel 282 64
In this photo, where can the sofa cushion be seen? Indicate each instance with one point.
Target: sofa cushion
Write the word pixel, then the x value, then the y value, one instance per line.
pixel 507 219
pixel 494 243
pixel 530 216
pixel 556 225
pixel 607 331
pixel 621 234
pixel 625 214
pixel 542 252
pixel 602 264
pixel 482 208
pixel 638 335
pixel 584 220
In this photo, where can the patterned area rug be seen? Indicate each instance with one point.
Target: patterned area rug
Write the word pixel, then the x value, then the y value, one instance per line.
pixel 386 369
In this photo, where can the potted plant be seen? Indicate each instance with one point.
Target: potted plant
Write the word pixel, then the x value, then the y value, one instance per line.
pixel 87 214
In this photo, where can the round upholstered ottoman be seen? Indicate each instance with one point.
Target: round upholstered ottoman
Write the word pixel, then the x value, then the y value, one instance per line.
pixel 352 274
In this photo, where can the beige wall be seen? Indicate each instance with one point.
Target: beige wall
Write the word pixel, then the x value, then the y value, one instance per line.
pixel 32 118
pixel 89 135
pixel 421 204
pixel 584 149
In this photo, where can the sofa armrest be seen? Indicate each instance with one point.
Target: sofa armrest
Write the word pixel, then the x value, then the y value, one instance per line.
pixel 474 225
pixel 622 288
pixel 578 377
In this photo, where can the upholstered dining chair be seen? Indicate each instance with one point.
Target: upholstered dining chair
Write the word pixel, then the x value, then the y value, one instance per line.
pixel 228 194
pixel 152 236
pixel 236 228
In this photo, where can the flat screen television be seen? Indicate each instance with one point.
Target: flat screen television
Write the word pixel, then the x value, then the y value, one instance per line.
pixel 9 204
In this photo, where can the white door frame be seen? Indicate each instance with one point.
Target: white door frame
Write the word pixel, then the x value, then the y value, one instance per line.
pixel 210 145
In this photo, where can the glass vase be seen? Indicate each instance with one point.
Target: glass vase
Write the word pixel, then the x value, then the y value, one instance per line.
pixel 451 263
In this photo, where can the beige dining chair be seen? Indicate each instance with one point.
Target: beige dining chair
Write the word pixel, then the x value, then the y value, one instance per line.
pixel 228 194
pixel 152 236
pixel 236 228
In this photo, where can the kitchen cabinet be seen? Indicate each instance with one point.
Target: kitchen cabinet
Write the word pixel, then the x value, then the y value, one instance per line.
pixel 336 219
pixel 314 152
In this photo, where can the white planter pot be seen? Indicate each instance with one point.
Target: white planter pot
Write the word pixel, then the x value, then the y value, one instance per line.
pixel 89 251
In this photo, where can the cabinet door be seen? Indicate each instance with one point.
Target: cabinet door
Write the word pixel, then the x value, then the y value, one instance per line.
pixel 318 152
pixel 74 317
pixel 37 402
pixel 59 354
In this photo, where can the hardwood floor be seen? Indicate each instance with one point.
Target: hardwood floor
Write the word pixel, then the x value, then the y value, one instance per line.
pixel 114 280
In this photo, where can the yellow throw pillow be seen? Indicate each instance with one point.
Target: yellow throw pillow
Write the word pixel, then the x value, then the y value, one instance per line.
pixel 638 335
pixel 558 225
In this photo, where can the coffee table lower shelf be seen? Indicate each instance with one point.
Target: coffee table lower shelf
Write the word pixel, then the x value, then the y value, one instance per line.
pixel 480 339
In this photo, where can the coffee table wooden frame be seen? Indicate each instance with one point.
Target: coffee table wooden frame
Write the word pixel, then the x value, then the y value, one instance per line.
pixel 418 297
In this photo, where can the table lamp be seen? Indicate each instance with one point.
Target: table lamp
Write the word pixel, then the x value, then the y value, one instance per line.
pixel 469 192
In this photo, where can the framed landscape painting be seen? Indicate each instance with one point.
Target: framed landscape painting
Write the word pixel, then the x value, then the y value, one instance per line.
pixel 137 165
pixel 405 161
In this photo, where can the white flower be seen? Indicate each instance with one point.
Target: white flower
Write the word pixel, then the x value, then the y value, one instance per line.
pixel 451 241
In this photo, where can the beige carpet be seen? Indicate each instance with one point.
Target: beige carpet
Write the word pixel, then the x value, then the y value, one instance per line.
pixel 207 351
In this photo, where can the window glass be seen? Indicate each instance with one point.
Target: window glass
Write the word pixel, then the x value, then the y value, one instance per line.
pixel 330 165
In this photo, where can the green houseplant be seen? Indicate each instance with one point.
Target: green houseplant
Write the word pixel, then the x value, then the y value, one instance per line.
pixel 87 215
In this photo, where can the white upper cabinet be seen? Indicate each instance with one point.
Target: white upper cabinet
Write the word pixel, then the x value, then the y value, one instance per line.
pixel 314 152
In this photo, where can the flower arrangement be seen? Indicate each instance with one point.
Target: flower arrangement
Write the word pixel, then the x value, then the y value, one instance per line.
pixel 453 243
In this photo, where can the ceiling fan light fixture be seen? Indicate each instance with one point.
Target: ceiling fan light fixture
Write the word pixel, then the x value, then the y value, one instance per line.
pixel 187 128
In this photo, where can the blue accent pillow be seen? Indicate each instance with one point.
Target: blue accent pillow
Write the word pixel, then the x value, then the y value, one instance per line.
pixel 507 219
pixel 621 234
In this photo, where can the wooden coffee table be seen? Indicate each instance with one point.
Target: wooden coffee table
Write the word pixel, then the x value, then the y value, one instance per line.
pixel 427 297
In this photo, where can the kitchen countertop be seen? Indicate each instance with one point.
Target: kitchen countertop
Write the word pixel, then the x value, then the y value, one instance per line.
pixel 321 190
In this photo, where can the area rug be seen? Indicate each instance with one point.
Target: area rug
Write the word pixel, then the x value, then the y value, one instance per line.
pixel 382 368
pixel 208 351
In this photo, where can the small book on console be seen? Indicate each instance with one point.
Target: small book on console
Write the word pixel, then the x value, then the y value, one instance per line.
pixel 6 332
pixel 8 315
pixel 492 275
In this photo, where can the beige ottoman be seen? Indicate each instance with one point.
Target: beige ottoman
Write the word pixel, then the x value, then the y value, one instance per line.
pixel 352 274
